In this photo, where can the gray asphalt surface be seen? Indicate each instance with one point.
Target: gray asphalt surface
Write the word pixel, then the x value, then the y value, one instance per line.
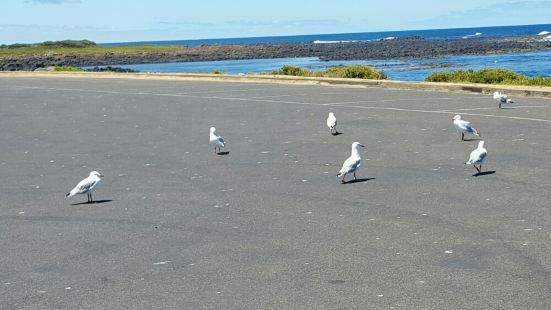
pixel 269 226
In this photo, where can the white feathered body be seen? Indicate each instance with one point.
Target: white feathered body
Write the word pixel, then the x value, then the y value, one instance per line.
pixel 463 126
pixel 216 140
pixel 331 121
pixel 479 155
pixel 502 98
pixel 88 185
pixel 352 163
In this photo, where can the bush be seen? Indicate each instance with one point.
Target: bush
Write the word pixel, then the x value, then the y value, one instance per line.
pixel 292 70
pixel 217 72
pixel 64 43
pixel 67 69
pixel 488 76
pixel 356 72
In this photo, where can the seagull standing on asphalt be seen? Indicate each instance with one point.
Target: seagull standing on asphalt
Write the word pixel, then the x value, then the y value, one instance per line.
pixel 464 127
pixel 502 98
pixel 352 163
pixel 87 186
pixel 332 123
pixel 478 156
pixel 216 140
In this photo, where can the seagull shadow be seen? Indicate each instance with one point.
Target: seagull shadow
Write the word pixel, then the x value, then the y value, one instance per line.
pixel 473 139
pixel 336 133
pixel 223 153
pixel 363 180
pixel 479 174
pixel 93 202
pixel 506 108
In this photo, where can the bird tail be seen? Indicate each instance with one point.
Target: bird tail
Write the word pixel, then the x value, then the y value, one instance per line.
pixel 509 101
pixel 475 132
pixel 71 193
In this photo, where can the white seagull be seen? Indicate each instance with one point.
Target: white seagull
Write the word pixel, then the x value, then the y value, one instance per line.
pixel 478 156
pixel 87 186
pixel 353 162
pixel 332 123
pixel 216 140
pixel 464 127
pixel 502 98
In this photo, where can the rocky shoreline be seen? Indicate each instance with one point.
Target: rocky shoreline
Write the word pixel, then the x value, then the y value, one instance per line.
pixel 414 47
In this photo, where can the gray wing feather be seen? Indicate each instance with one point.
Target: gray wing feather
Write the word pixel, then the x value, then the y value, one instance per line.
pixel 84 188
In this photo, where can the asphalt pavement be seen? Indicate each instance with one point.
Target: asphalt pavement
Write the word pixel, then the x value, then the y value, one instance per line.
pixel 269 226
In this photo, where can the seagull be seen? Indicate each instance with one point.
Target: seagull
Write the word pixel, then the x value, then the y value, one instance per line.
pixel 478 156
pixel 216 140
pixel 332 123
pixel 464 127
pixel 352 163
pixel 87 186
pixel 502 98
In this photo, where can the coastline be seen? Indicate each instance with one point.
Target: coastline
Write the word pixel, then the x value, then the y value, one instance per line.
pixel 401 48
pixel 520 91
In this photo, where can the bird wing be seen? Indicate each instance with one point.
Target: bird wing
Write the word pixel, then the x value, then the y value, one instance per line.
pixel 85 185
pixel 221 140
pixel 483 155
pixel 461 125
pixel 350 165
pixel 477 156
pixel 470 128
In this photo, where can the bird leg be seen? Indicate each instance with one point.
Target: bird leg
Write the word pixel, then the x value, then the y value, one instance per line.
pixel 477 169
pixel 480 168
pixel 500 105
pixel 462 136
pixel 343 181
pixel 88 197
pixel 355 175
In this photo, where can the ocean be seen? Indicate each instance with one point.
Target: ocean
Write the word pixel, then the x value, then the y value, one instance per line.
pixel 530 64
pixel 501 31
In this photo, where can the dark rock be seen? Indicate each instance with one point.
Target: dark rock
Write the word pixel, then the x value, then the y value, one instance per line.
pixel 412 47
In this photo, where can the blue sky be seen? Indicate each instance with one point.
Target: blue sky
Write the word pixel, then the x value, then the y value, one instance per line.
pixel 134 20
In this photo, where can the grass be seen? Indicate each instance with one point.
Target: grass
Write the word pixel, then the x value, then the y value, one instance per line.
pixel 64 43
pixel 488 76
pixel 356 72
pixel 67 69
pixel 83 47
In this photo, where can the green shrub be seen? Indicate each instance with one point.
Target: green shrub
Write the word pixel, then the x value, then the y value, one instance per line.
pixel 488 76
pixel 64 43
pixel 217 72
pixel 67 69
pixel 356 72
pixel 292 70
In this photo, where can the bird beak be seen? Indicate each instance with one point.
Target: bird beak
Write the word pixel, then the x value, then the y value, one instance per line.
pixel 101 175
pixel 362 145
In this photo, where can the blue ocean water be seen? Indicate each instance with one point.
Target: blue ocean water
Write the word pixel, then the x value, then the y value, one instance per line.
pixel 530 64
pixel 523 30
